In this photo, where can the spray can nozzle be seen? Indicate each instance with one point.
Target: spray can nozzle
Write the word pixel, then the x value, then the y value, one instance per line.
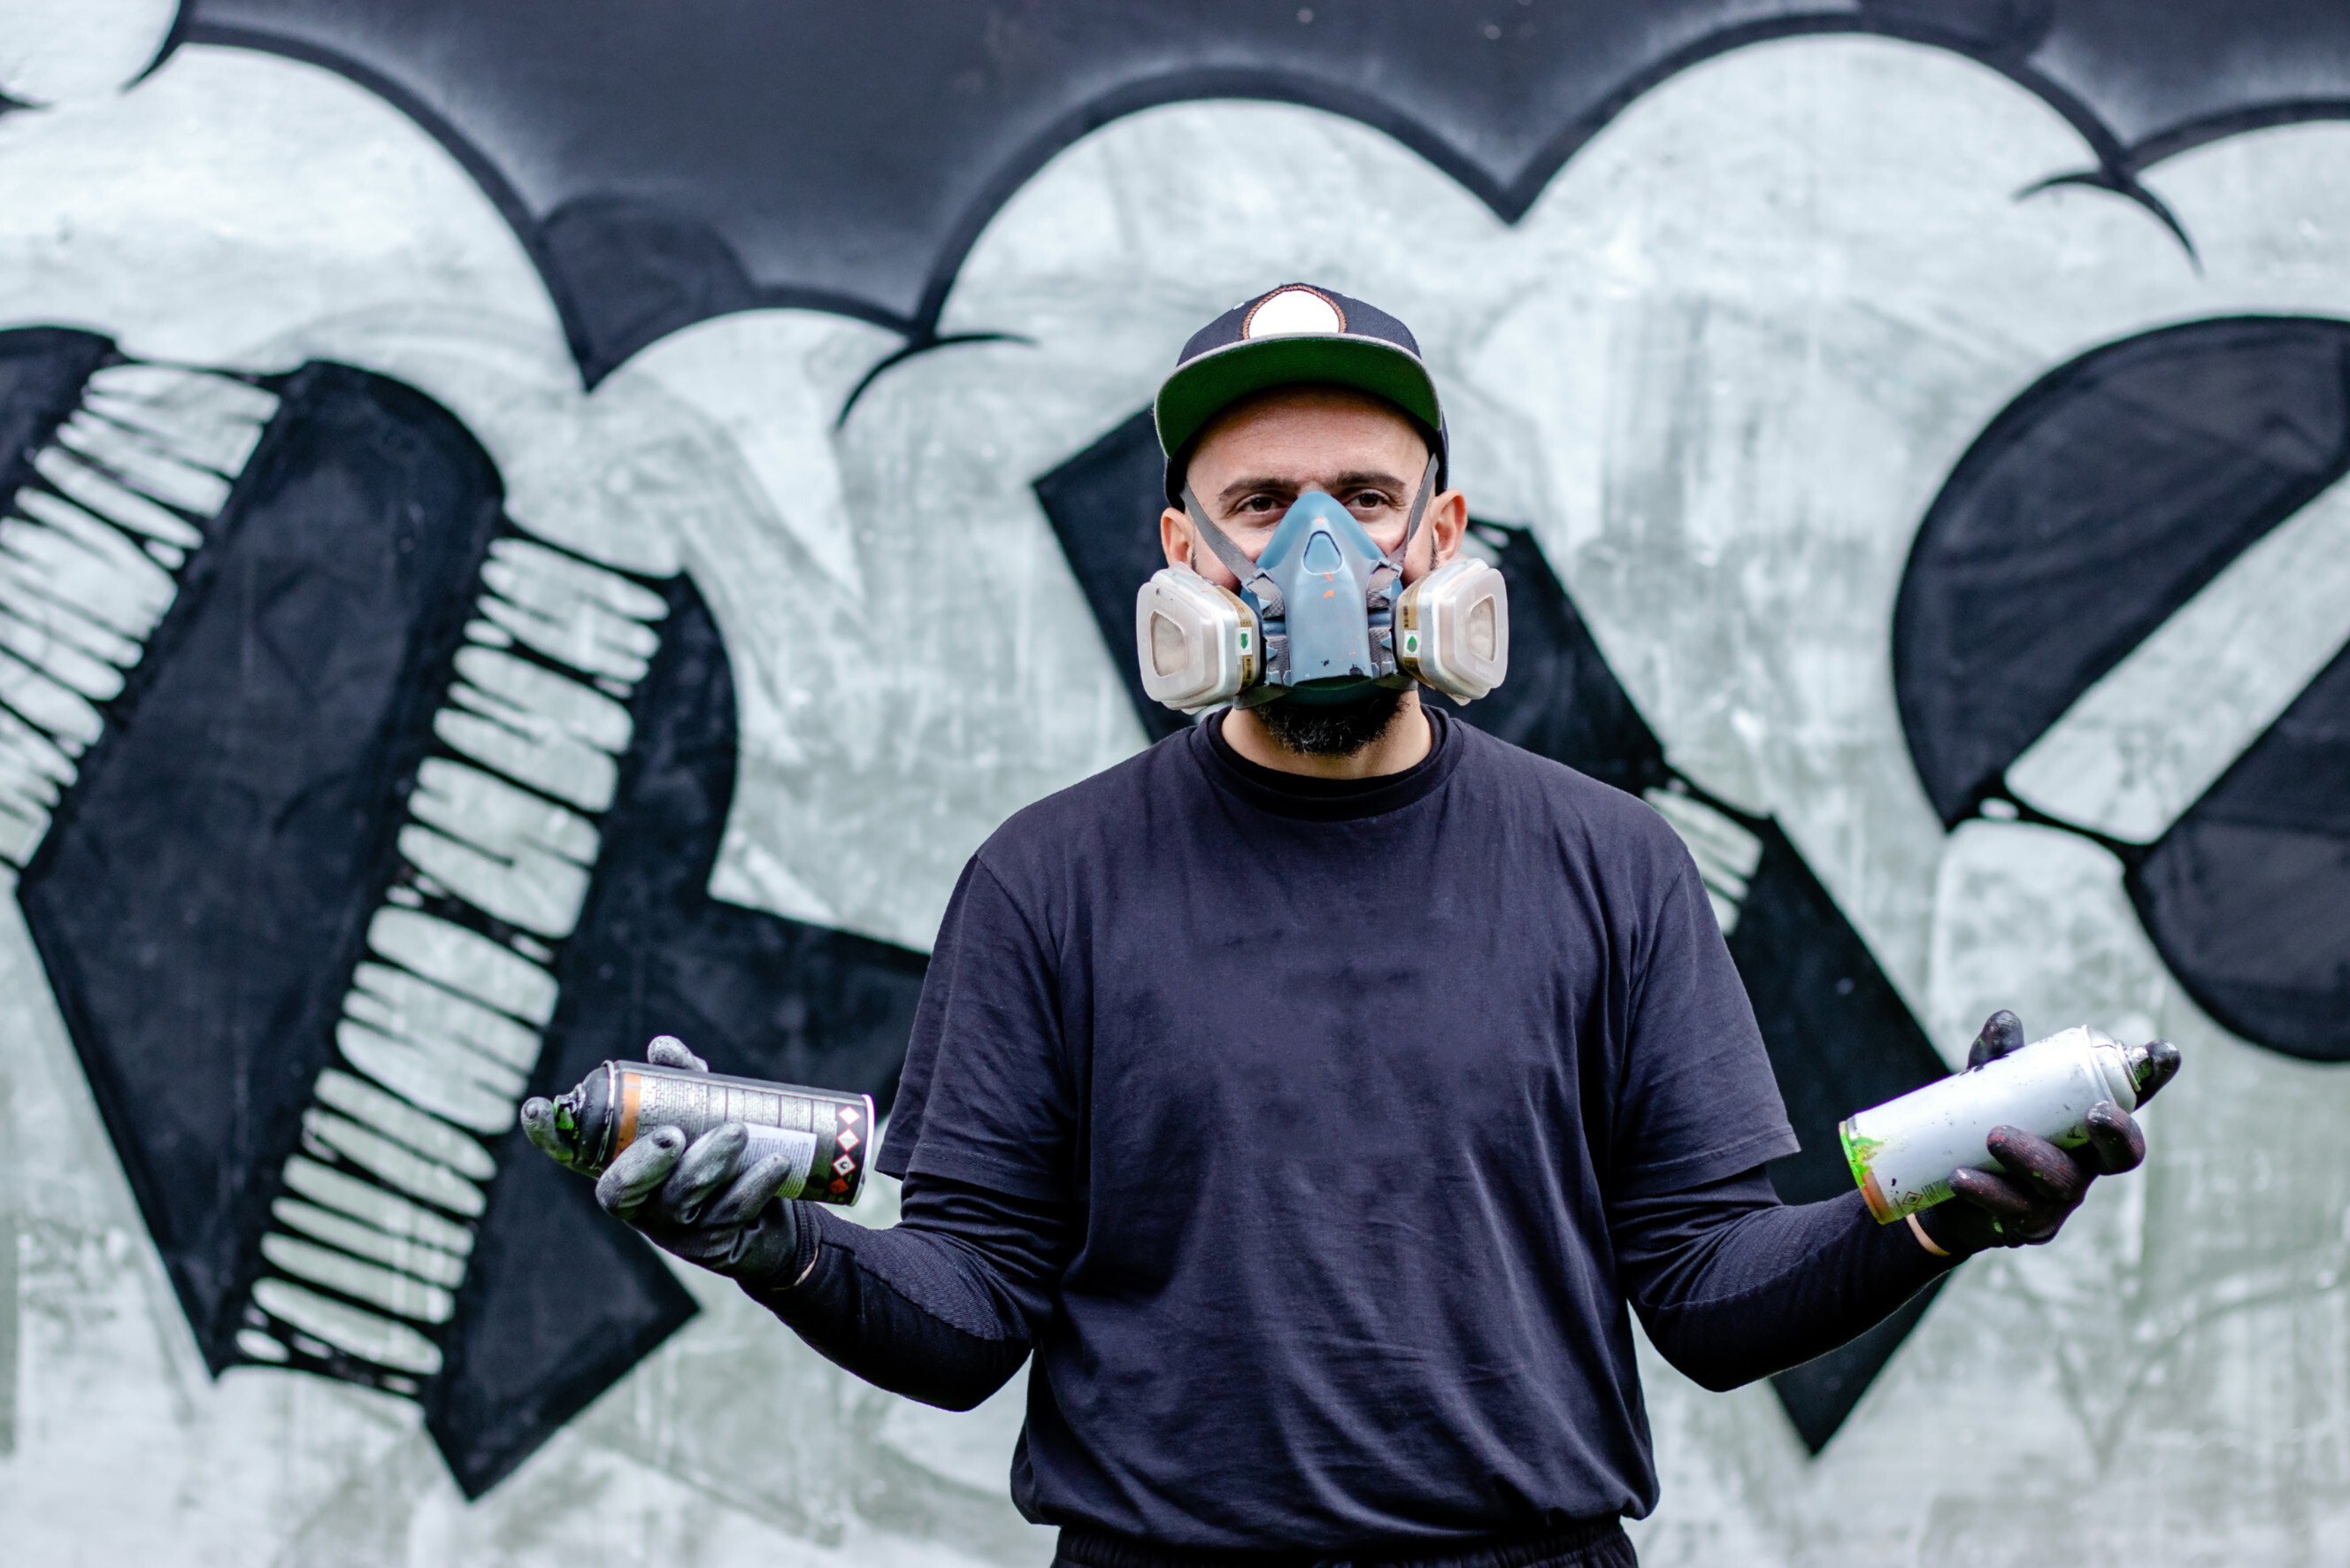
pixel 582 1113
pixel 2151 1064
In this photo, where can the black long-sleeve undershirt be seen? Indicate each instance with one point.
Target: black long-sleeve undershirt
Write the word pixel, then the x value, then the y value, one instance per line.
pixel 942 1307
pixel 1731 1284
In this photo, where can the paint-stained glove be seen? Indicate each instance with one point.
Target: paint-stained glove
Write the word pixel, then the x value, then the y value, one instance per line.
pixel 2043 1183
pixel 702 1203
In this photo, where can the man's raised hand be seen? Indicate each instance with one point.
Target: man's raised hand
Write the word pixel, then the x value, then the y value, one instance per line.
pixel 705 1202
pixel 2040 1183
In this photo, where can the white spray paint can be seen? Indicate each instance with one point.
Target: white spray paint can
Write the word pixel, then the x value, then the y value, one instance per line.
pixel 1902 1152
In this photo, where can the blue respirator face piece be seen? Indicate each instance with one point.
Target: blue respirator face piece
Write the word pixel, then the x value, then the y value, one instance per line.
pixel 1322 617
pixel 1326 569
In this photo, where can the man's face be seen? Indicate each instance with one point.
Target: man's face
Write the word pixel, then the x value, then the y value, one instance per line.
pixel 1261 454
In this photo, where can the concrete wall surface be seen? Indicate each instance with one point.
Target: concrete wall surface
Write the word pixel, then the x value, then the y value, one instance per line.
pixel 434 532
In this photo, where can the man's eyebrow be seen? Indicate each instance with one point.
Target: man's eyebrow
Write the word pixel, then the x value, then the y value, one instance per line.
pixel 1249 486
pixel 1353 478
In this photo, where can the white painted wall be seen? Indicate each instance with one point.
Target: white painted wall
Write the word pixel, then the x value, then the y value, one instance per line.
pixel 1719 368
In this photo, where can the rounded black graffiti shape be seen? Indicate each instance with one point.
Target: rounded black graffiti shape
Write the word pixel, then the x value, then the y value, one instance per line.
pixel 2094 507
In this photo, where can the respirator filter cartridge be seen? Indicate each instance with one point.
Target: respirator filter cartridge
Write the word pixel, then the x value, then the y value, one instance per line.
pixel 1198 644
pixel 1452 629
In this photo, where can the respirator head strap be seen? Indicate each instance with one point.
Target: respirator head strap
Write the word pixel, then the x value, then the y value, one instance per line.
pixel 1387 580
pixel 1419 510
pixel 1252 577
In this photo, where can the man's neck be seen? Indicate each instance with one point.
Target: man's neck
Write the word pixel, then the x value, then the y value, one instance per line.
pixel 1402 745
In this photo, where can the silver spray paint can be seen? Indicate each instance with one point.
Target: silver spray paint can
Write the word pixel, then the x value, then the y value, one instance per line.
pixel 1902 1152
pixel 825 1135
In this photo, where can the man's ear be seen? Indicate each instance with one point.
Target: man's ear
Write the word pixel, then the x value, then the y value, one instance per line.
pixel 1446 525
pixel 1175 537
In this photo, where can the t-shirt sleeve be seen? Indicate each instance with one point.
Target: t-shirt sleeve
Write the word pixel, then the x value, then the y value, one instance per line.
pixel 1696 1100
pixel 987 1096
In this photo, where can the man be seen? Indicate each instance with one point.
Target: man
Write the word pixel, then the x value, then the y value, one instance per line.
pixel 1312 1093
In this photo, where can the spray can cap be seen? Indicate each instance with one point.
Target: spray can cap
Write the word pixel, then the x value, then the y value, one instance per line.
pixel 585 1114
pixel 2152 1064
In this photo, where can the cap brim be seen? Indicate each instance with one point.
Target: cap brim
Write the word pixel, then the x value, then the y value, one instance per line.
pixel 1198 391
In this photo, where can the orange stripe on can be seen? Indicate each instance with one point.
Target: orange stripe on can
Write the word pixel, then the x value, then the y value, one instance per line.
pixel 632 1088
pixel 1875 1195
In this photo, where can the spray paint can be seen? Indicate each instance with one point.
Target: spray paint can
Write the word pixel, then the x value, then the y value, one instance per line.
pixel 827 1134
pixel 1902 1152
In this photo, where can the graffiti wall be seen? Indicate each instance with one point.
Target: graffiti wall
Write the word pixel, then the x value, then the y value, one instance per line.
pixel 529 526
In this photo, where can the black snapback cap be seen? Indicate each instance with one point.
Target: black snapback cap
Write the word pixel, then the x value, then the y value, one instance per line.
pixel 1297 335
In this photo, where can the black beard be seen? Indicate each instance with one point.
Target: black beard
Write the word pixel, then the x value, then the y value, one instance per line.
pixel 1331 730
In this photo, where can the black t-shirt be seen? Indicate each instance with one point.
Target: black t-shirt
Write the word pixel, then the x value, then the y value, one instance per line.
pixel 1339 1081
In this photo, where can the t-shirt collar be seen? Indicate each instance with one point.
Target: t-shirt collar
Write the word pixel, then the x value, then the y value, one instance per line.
pixel 1327 800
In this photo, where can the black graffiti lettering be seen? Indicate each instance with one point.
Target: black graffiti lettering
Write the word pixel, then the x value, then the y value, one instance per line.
pixel 780 219
pixel 105 508
pixel 416 815
pixel 446 1070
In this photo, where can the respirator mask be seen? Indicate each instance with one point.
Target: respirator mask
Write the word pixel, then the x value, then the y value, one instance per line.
pixel 1323 616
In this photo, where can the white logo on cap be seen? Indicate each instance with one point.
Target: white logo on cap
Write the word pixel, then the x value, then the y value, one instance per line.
pixel 1293 311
